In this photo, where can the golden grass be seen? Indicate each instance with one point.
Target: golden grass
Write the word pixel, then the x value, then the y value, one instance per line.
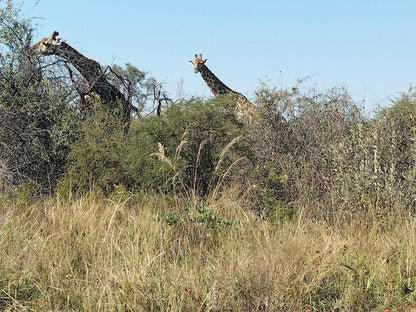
pixel 96 254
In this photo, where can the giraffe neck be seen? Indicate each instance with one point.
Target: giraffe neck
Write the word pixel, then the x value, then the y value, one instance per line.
pixel 93 73
pixel 216 86
pixel 89 68
pixel 243 107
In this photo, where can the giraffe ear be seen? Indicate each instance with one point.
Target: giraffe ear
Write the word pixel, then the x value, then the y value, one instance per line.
pixel 205 61
pixel 191 62
pixel 58 41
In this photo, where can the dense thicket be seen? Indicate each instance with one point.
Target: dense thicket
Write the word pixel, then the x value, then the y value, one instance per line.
pixel 306 149
pixel 44 102
pixel 36 122
pixel 335 159
pixel 311 207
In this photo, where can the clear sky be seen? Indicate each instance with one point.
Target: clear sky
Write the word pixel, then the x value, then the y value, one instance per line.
pixel 367 46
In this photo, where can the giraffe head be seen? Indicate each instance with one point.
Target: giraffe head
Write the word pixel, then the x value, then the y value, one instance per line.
pixel 47 46
pixel 198 62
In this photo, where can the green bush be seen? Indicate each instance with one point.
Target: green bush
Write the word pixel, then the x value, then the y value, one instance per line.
pixel 195 143
pixel 194 147
pixel 95 159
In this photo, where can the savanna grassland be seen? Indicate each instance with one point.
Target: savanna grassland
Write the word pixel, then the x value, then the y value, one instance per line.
pixel 325 224
pixel 153 253
pixel 311 207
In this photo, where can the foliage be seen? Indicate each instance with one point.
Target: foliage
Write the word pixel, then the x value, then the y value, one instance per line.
pixel 196 212
pixel 306 208
pixel 190 148
pixel 199 142
pixel 45 105
pixel 36 126
pixel 95 158
pixel 319 148
pixel 143 92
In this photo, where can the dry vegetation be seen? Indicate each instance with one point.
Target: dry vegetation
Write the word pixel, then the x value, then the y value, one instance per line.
pixel 310 208
pixel 156 253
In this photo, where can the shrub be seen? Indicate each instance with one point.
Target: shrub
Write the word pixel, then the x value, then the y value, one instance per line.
pixel 95 159
pixel 36 125
pixel 317 150
pixel 195 147
pixel 306 139
pixel 198 142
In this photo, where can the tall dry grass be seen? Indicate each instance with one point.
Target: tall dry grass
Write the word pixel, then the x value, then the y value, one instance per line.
pixel 154 253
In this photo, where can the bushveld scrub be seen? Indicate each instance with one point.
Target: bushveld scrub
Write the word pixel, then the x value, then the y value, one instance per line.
pixel 195 211
pixel 37 124
pixel 309 208
pixel 189 148
pixel 162 253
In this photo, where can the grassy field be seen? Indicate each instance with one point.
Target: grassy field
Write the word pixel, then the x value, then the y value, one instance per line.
pixel 153 253
pixel 310 207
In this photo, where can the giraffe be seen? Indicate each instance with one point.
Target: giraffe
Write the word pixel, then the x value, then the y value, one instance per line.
pixel 90 69
pixel 88 97
pixel 244 109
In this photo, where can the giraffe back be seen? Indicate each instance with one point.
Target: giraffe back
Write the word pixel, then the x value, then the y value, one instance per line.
pixel 244 109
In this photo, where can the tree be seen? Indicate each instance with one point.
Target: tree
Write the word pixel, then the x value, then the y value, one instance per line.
pixel 36 124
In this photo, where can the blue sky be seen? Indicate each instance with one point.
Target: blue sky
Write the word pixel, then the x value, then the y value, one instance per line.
pixel 367 46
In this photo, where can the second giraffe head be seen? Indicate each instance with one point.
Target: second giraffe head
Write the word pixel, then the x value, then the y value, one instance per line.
pixel 198 62
pixel 48 46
